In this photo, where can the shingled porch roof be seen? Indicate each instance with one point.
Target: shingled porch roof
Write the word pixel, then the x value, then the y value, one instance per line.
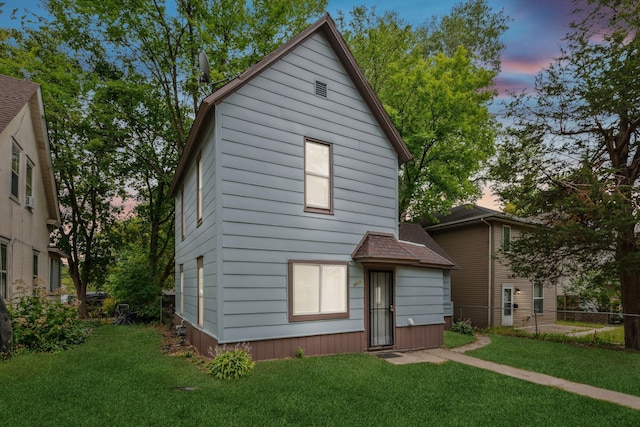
pixel 384 248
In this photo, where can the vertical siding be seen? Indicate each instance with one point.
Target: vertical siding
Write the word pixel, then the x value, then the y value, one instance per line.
pixel 469 247
pixel 262 131
pixel 199 240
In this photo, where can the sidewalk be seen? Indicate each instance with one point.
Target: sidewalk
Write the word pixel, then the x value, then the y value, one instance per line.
pixel 442 355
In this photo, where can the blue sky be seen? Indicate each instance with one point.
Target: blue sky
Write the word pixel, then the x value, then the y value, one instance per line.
pixel 536 32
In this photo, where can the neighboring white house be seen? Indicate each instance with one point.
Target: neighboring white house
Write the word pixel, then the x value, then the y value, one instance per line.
pixel 28 202
pixel 287 214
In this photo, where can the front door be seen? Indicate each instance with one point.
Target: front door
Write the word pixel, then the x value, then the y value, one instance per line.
pixel 507 306
pixel 380 308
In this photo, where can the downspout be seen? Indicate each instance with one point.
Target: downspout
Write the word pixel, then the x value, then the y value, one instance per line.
pixel 489 299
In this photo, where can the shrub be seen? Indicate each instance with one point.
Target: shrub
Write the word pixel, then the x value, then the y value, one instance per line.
pixel 44 325
pixel 231 364
pixel 462 327
pixel 300 353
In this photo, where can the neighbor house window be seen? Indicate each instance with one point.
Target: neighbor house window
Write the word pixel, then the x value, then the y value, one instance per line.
pixel 28 192
pixel 538 299
pixel 3 270
pixel 36 256
pixel 318 185
pixel 181 289
pixel 15 170
pixel 506 238
pixel 199 190
pixel 200 291
pixel 318 290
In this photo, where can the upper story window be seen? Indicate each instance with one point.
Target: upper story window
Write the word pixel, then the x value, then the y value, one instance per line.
pixel 36 258
pixel 182 213
pixel 199 190
pixel 506 238
pixel 28 187
pixel 318 177
pixel 15 170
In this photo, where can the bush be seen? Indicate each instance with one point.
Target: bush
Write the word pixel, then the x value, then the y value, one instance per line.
pixel 44 325
pixel 231 364
pixel 462 327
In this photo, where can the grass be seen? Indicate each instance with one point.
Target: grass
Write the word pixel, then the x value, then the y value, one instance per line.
pixel 454 339
pixel 606 368
pixel 120 378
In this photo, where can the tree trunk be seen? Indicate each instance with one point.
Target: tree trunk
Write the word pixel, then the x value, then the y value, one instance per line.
pixel 81 288
pixel 6 333
pixel 630 287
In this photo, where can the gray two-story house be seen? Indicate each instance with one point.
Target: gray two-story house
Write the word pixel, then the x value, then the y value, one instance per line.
pixel 286 214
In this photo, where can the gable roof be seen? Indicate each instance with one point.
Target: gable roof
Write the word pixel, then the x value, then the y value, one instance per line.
pixel 464 214
pixel 327 27
pixel 385 248
pixel 416 234
pixel 15 93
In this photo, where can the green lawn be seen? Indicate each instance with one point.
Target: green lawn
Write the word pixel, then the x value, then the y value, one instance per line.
pixel 120 378
pixel 606 368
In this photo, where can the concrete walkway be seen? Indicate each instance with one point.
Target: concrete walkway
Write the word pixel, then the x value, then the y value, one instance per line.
pixel 442 355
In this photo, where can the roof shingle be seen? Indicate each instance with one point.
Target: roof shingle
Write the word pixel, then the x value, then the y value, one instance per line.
pixel 15 94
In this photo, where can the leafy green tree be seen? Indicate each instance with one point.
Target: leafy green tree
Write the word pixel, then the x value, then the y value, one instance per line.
pixel 83 143
pixel 572 160
pixel 436 87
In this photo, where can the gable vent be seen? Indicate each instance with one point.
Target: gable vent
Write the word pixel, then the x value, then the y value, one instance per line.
pixel 321 89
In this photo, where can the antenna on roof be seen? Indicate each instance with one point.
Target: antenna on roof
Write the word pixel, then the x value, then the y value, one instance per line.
pixel 205 75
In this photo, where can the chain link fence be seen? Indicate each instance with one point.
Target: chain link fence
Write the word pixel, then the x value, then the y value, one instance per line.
pixel 608 327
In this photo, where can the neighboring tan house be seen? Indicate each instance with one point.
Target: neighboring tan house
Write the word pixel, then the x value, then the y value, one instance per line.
pixel 286 214
pixel 484 289
pixel 29 208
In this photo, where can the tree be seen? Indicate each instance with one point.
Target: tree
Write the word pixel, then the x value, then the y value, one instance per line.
pixel 83 142
pixel 152 48
pixel 436 88
pixel 6 332
pixel 572 159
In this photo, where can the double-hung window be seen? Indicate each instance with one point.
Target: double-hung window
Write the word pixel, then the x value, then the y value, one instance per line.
pixel 15 170
pixel 318 176
pixel 538 298
pixel 318 290
pixel 28 186
pixel 4 292
pixel 181 289
pixel 199 190
pixel 200 291
pixel 506 238
pixel 36 258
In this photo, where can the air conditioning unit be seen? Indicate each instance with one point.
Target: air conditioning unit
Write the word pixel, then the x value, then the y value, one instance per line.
pixel 29 202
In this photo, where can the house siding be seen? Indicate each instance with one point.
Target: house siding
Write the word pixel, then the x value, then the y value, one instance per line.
pixel 23 230
pixel 468 245
pixel 199 240
pixel 261 135
pixel 523 316
pixel 419 296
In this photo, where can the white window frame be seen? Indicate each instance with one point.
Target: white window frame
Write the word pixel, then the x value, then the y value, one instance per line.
pixel 4 269
pixel 181 289
pixel 336 305
pixel 28 182
pixel 16 152
pixel 312 175
pixel 200 277
pixel 539 299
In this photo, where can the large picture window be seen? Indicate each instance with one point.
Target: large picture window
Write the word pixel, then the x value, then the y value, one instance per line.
pixel 318 179
pixel 318 290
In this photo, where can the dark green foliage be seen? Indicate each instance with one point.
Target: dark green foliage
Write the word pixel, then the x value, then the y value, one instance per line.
pixel 231 364
pixel 462 327
pixel 46 325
